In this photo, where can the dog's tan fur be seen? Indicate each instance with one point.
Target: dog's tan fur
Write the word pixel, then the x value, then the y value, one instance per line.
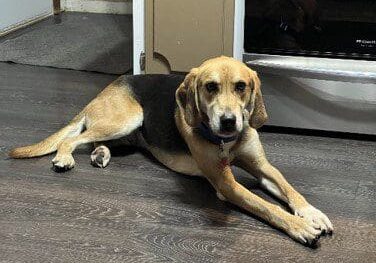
pixel 106 118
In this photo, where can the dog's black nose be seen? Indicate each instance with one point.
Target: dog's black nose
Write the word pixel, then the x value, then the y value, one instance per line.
pixel 228 123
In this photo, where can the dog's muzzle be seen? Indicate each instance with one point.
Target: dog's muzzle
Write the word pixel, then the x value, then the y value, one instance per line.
pixel 228 124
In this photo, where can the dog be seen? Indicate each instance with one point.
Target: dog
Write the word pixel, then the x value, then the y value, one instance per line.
pixel 200 124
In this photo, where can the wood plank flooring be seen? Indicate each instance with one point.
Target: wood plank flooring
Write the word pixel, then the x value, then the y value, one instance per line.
pixel 136 210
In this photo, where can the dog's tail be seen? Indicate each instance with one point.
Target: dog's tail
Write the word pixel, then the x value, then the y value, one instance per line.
pixel 51 143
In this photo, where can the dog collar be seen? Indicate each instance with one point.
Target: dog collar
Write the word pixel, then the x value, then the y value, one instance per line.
pixel 208 134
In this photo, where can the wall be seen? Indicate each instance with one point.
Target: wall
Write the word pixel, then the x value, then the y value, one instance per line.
pixel 98 6
pixel 14 13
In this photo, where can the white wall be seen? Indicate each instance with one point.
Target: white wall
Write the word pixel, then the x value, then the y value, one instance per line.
pixel 14 13
pixel 98 6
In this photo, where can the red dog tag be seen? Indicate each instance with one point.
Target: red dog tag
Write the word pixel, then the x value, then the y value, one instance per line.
pixel 224 162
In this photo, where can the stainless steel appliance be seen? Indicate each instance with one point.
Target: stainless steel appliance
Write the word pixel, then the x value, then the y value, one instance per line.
pixel 317 61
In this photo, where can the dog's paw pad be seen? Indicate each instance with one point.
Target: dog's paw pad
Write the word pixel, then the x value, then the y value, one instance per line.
pixel 60 169
pixel 100 157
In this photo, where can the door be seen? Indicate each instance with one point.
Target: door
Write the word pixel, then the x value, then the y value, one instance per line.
pixel 180 34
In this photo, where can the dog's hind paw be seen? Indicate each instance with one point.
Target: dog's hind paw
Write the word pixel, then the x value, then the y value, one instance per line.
pixel 100 157
pixel 62 163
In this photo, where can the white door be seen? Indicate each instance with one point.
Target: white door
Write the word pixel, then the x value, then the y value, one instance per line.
pixel 14 13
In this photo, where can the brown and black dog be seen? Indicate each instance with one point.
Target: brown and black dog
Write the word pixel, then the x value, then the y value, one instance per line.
pixel 200 124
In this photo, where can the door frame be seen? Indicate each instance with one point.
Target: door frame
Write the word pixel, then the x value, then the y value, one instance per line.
pixel 56 6
pixel 138 35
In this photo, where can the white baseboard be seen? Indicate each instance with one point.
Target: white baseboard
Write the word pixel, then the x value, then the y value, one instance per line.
pixel 100 6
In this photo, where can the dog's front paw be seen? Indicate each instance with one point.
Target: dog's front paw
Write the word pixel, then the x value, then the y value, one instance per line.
pixel 100 157
pixel 63 163
pixel 303 231
pixel 317 218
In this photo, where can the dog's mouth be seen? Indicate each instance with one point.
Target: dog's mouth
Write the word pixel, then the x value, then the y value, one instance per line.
pixel 227 134
pixel 216 136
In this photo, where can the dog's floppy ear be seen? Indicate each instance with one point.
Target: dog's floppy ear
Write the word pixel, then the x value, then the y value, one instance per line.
pixel 187 99
pixel 256 107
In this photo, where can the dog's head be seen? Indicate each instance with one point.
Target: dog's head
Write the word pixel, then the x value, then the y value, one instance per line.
pixel 223 93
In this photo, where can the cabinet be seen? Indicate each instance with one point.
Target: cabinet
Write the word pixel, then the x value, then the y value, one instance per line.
pixel 181 34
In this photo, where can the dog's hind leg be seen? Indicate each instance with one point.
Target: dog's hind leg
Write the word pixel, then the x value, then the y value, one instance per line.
pixel 64 160
pixel 101 131
pixel 113 115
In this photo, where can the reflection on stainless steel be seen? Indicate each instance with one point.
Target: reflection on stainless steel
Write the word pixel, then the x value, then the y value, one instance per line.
pixel 311 67
pixel 316 60
pixel 318 93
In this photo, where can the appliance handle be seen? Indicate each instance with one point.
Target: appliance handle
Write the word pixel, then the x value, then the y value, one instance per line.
pixel 316 68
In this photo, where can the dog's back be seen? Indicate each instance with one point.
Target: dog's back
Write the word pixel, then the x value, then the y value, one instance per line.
pixel 156 95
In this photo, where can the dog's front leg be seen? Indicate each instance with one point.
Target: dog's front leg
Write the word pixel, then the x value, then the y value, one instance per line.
pixel 251 157
pixel 221 177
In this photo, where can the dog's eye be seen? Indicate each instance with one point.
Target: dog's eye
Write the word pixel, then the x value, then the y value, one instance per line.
pixel 240 86
pixel 211 86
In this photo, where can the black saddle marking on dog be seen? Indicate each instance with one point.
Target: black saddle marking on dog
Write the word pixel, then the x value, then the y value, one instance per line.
pixel 156 94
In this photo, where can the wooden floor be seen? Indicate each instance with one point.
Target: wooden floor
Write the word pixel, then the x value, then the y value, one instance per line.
pixel 137 211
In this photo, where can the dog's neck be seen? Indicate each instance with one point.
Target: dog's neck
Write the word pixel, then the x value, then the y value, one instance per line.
pixel 205 132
